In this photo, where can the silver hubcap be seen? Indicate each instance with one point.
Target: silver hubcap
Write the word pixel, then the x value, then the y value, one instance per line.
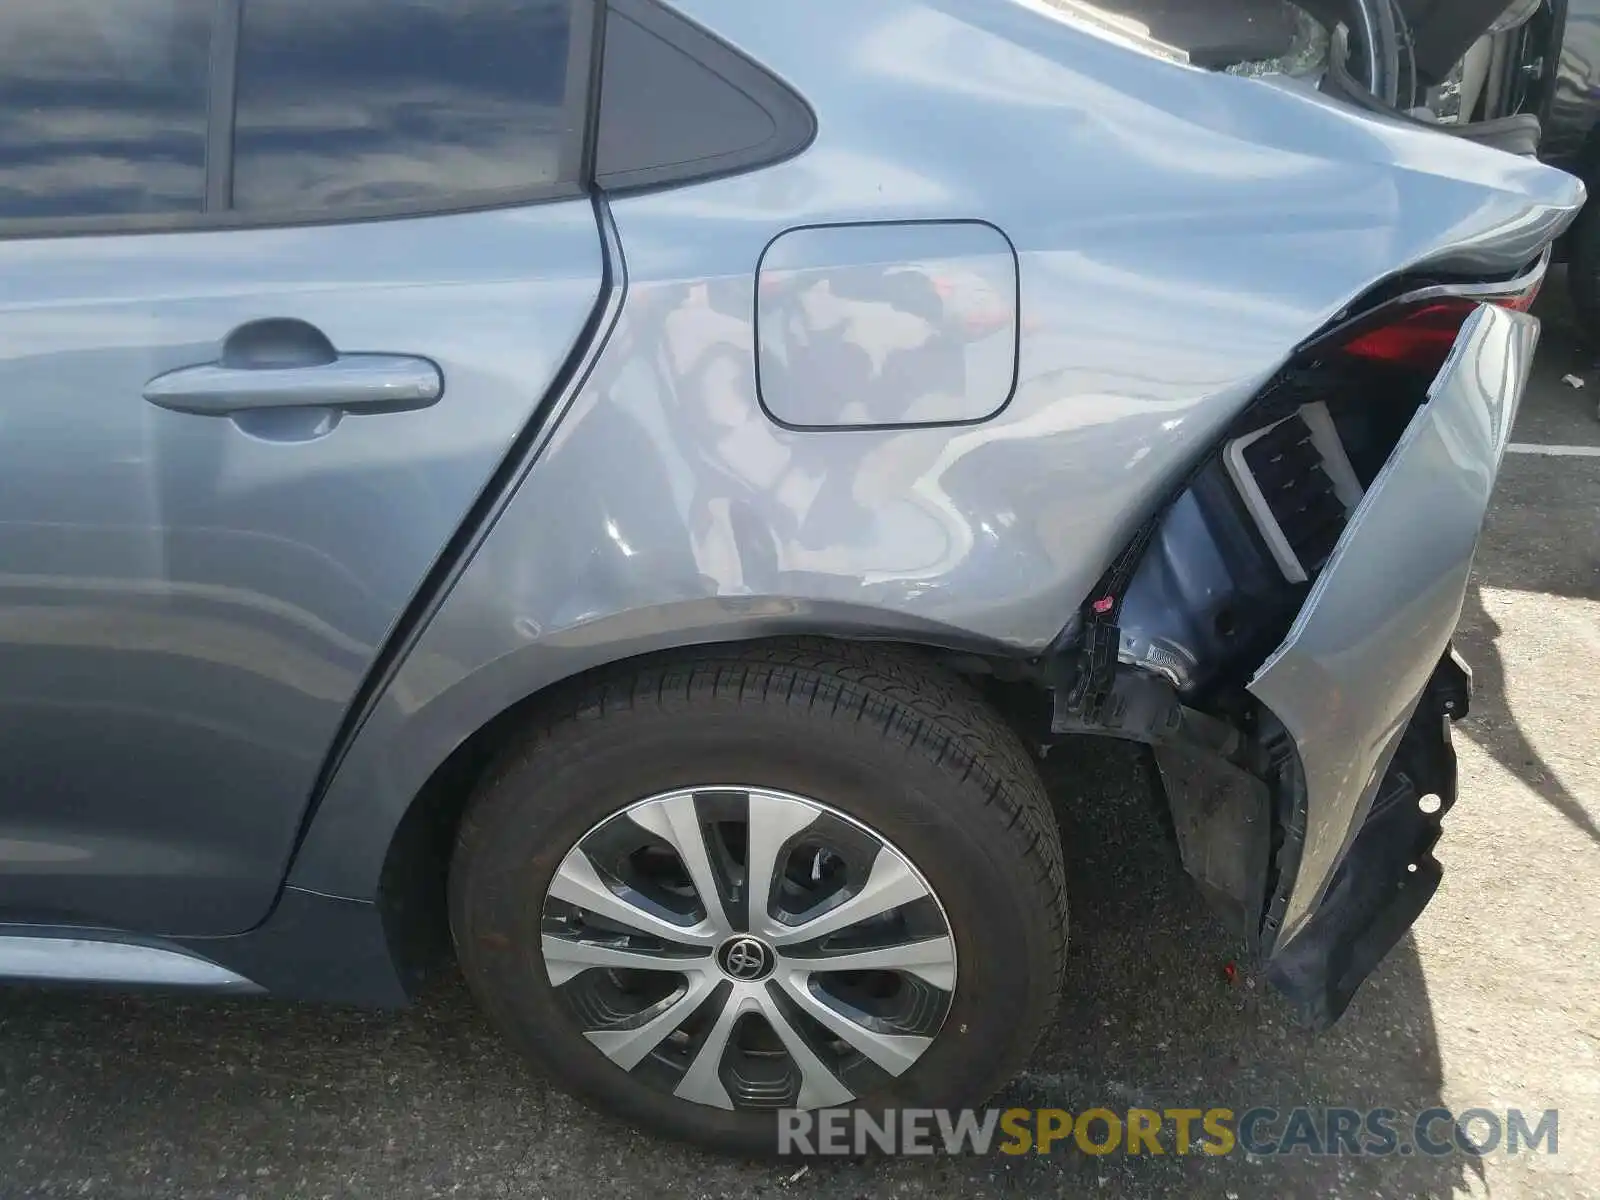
pixel 746 948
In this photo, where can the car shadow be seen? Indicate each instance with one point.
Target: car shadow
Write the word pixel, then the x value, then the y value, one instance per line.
pixel 1496 728
pixel 1541 540
pixel 1161 1012
pixel 220 1096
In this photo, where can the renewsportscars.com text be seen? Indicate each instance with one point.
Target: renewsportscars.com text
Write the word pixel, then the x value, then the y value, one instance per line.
pixel 1260 1131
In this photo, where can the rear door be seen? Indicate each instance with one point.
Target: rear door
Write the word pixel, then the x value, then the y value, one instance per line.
pixel 281 282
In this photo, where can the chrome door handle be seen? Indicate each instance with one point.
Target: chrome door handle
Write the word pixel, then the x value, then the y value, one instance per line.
pixel 351 382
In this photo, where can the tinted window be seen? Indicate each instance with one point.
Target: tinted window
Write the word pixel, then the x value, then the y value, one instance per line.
pixel 103 107
pixel 677 105
pixel 354 102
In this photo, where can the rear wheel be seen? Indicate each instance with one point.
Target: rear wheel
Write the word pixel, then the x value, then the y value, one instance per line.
pixel 804 875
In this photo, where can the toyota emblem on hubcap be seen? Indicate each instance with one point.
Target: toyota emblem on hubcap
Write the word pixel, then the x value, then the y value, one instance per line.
pixel 746 959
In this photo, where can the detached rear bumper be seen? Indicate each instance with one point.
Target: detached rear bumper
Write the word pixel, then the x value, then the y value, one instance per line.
pixel 1365 685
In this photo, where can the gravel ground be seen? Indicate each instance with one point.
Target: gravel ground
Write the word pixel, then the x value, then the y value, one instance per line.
pixel 1494 1001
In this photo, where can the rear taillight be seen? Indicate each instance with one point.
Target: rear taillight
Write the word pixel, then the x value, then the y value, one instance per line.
pixel 1419 336
pixel 1419 330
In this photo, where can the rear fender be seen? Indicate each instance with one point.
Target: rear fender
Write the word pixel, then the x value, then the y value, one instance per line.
pixel 1307 791
pixel 1185 233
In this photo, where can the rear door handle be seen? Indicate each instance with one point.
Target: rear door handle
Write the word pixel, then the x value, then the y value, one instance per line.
pixel 350 382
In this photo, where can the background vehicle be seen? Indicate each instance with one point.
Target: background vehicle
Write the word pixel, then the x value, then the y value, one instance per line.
pixel 577 470
pixel 1521 74
pixel 1466 61
pixel 1534 63
pixel 1558 78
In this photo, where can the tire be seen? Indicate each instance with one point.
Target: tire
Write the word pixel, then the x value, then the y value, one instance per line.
pixel 915 781
pixel 1583 271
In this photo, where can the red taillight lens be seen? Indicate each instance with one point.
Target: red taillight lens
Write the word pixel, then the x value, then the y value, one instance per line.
pixel 1421 336
pixel 1417 331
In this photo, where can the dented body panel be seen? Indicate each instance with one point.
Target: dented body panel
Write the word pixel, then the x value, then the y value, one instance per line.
pixel 1379 620
pixel 968 324
pixel 1178 235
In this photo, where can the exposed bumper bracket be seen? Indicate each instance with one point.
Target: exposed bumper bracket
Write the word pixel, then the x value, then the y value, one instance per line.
pixel 1389 874
pixel 1221 808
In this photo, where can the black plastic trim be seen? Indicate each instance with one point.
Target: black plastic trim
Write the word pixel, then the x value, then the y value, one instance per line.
pixel 628 90
pixel 221 104
pixel 321 949
pixel 583 51
pixel 594 80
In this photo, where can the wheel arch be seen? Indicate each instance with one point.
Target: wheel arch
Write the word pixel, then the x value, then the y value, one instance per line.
pixel 383 828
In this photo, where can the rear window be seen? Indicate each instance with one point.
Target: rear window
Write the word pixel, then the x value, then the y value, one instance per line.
pixel 103 107
pixel 350 103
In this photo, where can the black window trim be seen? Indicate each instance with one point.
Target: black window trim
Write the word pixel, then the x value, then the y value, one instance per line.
pixel 794 124
pixel 221 104
pixel 584 47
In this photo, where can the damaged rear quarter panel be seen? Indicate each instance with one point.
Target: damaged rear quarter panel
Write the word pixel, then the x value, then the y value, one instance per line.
pixel 1378 621
pixel 1178 235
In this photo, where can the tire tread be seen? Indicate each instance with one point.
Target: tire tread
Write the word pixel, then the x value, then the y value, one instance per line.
pixel 914 703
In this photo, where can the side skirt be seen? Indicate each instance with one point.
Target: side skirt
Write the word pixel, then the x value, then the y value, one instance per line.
pixel 314 947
